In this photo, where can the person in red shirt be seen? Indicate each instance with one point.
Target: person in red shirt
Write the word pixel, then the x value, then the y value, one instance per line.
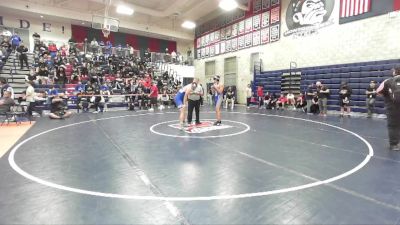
pixel 153 96
pixel 281 102
pixel 260 95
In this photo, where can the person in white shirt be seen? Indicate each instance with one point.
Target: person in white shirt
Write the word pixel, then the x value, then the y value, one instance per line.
pixel 30 98
pixel 249 94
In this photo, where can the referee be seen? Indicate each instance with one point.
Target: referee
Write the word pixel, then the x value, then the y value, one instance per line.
pixel 194 101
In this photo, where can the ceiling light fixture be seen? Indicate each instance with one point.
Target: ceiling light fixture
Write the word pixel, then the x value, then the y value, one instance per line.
pixel 41 16
pixel 188 25
pixel 228 5
pixel 122 9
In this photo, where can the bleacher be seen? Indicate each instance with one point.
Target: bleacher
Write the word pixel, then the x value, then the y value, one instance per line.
pixel 358 76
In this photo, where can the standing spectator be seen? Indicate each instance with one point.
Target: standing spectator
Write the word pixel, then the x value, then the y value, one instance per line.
pixel 371 95
pixel 344 98
pixel 23 58
pixel 323 94
pixel 30 98
pixel 260 95
pixel 15 41
pixel 36 41
pixel 249 94
pixel 153 96
pixel 390 90
pixel 194 95
pixel 310 93
pixel 6 87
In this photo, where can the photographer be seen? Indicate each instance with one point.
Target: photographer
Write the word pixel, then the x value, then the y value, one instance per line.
pixel 58 108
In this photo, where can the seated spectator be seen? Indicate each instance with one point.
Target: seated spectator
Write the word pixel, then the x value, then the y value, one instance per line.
pixel 6 102
pixel 280 104
pixel 300 102
pixel 230 98
pixel 314 108
pixel 291 99
pixel 164 99
pixel 267 100
pixel 58 108
pixel 98 102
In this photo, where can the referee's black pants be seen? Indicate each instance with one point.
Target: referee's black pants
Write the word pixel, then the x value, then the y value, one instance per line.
pixel 196 105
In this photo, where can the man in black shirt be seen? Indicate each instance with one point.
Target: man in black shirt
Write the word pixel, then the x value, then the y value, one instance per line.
pixel 371 95
pixel 344 98
pixel 310 93
pixel 387 89
pixel 22 50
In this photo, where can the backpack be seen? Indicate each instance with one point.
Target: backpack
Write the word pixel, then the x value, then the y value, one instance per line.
pixel 394 90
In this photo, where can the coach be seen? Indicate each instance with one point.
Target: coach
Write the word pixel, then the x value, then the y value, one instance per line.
pixel 194 101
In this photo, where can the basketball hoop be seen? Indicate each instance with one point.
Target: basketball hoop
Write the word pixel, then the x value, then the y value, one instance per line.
pixel 106 31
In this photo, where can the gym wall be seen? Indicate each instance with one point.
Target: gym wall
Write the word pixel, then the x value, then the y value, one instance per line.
pixel 370 39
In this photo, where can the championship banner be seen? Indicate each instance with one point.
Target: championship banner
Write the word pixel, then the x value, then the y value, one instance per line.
pixel 276 2
pixel 212 38
pixel 222 47
pixel 222 34
pixel 265 19
pixel 275 15
pixel 241 28
pixel 216 36
pixel 228 46
pixel 256 38
pixel 234 44
pixel 266 4
pixel 217 48
pixel 203 52
pixel 207 51
pixel 241 42
pixel 265 36
pixel 198 53
pixel 257 6
pixel 198 42
pixel 275 33
pixel 248 40
pixel 249 25
pixel 228 32
pixel 207 40
pixel 234 30
pixel 212 50
pixel 256 22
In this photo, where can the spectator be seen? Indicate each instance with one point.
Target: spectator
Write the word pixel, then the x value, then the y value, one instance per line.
pixel 23 58
pixel 300 103
pixel 6 87
pixel 291 101
pixel 230 98
pixel 310 93
pixel 6 102
pixel 344 98
pixel 280 104
pixel 314 109
pixel 153 96
pixel 371 95
pixel 267 100
pixel 323 94
pixel 58 108
pixel 390 90
pixel 15 41
pixel 30 96
pixel 164 100
pixel 249 94
pixel 260 95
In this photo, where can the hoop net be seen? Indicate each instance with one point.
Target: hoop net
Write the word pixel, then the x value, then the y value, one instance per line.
pixel 106 31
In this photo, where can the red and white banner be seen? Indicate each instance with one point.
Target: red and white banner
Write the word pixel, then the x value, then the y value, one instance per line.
pixel 349 8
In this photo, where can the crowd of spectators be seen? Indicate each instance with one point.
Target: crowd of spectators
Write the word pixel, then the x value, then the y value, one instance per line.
pixel 314 100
